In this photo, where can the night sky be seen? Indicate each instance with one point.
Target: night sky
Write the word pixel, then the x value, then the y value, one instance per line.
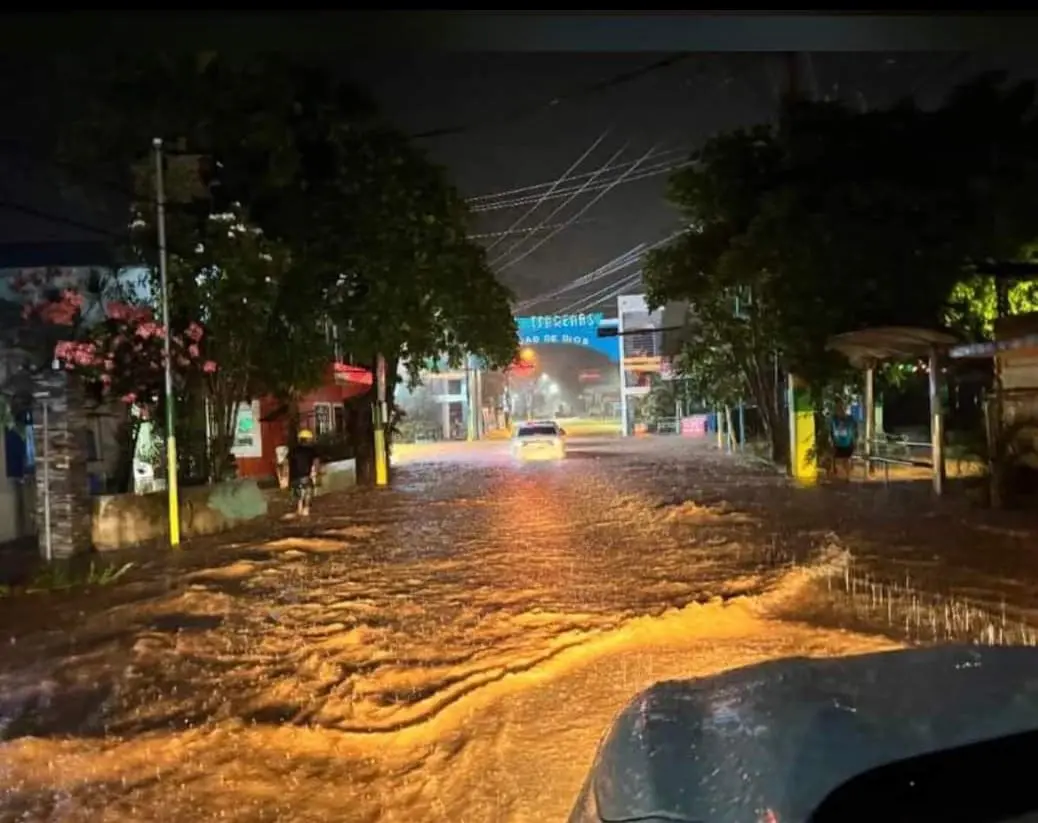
pixel 672 110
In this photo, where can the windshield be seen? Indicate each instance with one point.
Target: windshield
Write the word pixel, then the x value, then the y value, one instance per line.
pixel 540 430
pixel 626 362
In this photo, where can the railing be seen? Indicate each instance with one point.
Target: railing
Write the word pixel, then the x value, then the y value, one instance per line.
pixel 895 450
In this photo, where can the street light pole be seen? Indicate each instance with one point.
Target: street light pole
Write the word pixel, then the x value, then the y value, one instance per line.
pixel 171 437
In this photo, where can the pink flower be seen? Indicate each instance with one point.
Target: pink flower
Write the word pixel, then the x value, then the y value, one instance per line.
pixel 119 311
pixel 129 398
pixel 59 313
pixel 72 298
pixel 209 367
pixel 148 330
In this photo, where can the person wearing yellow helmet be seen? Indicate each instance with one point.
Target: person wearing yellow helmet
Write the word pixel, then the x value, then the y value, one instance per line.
pixel 302 471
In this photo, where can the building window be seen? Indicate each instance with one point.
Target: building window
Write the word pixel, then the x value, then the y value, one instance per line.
pixel 339 419
pixel 454 387
pixel 322 418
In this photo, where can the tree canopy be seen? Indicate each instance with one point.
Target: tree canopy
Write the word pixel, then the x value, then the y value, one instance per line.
pixel 833 219
pixel 371 238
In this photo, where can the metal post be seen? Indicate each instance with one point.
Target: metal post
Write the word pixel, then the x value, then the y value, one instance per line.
pixel 742 425
pixel 171 437
pixel 380 417
pixel 470 397
pixel 48 535
pixel 870 416
pixel 480 422
pixel 508 402
pixel 720 427
pixel 936 424
pixel 625 412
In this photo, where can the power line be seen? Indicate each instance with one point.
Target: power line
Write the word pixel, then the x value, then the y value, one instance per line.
pixel 618 263
pixel 82 174
pixel 573 167
pixel 603 294
pixel 594 200
pixel 522 113
pixel 549 227
pixel 652 171
pixel 555 211
pixel 524 190
pixel 10 205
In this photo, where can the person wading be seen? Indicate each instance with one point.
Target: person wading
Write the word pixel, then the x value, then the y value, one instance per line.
pixel 843 432
pixel 302 471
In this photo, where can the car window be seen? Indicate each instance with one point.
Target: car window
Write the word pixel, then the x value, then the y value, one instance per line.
pixel 539 430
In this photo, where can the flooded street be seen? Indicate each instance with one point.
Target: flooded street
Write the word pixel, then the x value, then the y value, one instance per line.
pixel 448 649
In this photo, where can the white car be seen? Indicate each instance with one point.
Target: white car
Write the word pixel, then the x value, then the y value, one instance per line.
pixel 539 440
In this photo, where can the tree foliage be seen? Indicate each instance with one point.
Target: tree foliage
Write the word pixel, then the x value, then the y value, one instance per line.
pixel 237 282
pixel 374 237
pixel 835 220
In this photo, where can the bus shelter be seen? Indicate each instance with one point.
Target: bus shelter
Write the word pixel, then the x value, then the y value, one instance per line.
pixel 868 348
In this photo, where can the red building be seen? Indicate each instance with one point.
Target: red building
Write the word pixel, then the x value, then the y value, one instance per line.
pixel 321 411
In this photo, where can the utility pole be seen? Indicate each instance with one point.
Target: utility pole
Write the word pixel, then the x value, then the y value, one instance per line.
pixel 380 413
pixel 171 435
pixel 471 433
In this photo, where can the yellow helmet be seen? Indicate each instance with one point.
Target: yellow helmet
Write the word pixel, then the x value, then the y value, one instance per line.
pixel 306 434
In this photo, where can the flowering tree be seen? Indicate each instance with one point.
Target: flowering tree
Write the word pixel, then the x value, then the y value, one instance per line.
pixel 114 346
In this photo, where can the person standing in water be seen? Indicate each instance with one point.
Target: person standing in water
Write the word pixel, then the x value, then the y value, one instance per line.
pixel 302 471
pixel 843 433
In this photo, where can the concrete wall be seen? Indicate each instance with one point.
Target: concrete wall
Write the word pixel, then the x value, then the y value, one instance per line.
pixel 124 520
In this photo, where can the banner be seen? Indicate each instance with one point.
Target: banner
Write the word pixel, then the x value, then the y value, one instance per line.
pixel 694 425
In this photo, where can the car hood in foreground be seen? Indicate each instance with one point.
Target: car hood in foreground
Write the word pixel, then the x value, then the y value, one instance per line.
pixel 782 735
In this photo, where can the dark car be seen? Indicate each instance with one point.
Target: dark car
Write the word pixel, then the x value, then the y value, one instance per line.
pixel 933 734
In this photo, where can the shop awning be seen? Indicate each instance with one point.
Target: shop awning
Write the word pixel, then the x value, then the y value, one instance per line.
pixel 346 375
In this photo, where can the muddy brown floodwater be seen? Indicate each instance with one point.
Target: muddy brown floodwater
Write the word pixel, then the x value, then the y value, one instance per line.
pixel 448 649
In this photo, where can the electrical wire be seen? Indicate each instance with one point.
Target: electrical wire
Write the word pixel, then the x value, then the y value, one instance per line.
pixel 526 111
pixel 21 208
pixel 652 171
pixel 603 294
pixel 525 190
pixel 618 263
pixel 501 257
pixel 594 200
pixel 573 167
pixel 486 234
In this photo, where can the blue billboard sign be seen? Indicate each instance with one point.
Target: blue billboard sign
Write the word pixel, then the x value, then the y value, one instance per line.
pixel 568 329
